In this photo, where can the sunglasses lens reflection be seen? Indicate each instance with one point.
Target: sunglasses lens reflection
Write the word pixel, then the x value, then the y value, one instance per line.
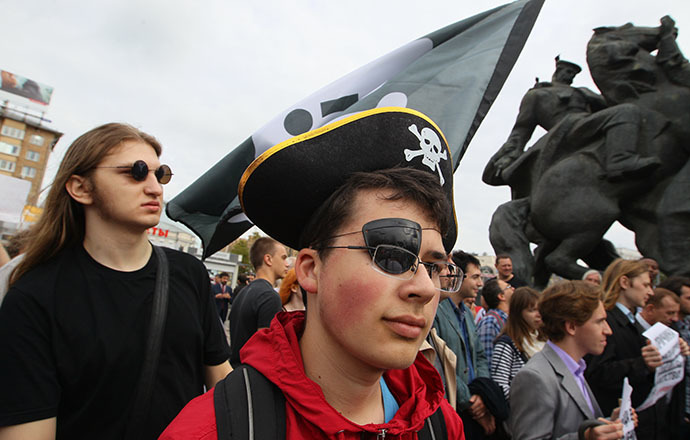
pixel 401 263
pixel 393 232
pixel 394 260
pixel 140 170
pixel 163 174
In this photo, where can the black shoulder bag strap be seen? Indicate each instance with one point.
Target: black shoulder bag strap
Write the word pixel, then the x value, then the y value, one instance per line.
pixel 147 378
pixel 248 406
pixel 434 427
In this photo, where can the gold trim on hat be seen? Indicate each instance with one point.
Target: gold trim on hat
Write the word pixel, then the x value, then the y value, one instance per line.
pixel 325 129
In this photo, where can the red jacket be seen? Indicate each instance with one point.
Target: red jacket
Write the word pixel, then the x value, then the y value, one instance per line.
pixel 275 353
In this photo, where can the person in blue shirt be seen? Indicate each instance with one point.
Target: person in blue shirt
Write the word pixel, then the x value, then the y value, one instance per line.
pixel 496 293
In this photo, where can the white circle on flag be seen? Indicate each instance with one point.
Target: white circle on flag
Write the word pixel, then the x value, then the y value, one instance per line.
pixel 394 99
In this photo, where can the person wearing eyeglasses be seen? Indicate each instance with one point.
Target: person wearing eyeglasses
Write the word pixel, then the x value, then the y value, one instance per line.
pixel 74 326
pixel 455 325
pixel 496 293
pixel 373 238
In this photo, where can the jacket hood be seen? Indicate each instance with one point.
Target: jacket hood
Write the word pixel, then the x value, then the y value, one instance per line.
pixel 276 354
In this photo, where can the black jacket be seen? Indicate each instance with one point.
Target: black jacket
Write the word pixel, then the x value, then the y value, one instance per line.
pixel 622 358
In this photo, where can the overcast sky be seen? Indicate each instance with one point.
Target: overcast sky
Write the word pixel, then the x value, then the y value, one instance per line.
pixel 202 76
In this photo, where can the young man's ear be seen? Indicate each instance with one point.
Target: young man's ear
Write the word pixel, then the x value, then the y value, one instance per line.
pixel 307 267
pixel 268 260
pixel 624 282
pixel 570 328
pixel 80 189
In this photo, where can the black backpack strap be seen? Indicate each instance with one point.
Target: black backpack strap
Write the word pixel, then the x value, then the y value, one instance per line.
pixel 246 391
pixel 149 368
pixel 248 406
pixel 434 427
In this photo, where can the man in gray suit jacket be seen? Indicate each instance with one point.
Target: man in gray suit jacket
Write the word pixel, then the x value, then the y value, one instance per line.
pixel 549 397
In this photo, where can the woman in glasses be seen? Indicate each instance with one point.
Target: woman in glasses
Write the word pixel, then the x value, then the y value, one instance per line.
pixel 519 340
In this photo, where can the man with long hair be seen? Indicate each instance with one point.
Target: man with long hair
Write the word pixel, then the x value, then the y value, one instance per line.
pixel 74 325
pixel 627 285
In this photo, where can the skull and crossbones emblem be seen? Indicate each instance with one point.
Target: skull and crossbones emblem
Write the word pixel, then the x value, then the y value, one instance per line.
pixel 429 147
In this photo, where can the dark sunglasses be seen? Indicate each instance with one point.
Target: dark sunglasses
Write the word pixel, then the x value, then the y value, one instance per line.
pixel 140 170
pixel 394 244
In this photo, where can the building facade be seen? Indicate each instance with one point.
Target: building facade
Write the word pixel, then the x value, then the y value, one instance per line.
pixel 171 235
pixel 25 144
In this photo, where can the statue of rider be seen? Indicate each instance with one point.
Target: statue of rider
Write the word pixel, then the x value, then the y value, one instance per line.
pixel 583 116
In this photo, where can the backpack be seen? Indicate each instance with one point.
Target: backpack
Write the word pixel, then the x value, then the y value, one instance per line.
pixel 235 416
pixel 498 317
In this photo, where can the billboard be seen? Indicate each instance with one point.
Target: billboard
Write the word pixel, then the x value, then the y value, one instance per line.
pixel 13 192
pixel 25 87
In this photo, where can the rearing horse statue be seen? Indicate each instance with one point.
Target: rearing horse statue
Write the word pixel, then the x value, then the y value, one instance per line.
pixel 565 195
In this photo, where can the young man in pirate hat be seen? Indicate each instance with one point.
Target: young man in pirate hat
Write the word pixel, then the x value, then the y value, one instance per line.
pixel 374 222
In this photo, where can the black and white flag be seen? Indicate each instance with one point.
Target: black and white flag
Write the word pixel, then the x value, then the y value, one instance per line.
pixel 452 75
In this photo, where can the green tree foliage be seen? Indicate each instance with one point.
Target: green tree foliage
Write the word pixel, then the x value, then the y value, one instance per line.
pixel 241 246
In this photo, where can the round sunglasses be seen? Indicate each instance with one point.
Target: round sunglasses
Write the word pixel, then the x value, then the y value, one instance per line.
pixel 139 170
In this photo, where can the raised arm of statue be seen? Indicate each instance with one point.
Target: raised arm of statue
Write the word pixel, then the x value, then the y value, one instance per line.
pixel 670 57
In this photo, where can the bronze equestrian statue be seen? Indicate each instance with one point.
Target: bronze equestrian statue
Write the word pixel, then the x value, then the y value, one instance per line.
pixel 619 156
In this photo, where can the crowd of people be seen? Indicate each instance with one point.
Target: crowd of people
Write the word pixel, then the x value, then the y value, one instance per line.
pixel 378 328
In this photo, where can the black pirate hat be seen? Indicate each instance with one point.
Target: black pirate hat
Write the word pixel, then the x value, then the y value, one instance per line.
pixel 311 166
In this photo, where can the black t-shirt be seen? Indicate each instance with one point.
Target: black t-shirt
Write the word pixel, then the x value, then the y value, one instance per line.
pixel 72 338
pixel 236 291
pixel 253 308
